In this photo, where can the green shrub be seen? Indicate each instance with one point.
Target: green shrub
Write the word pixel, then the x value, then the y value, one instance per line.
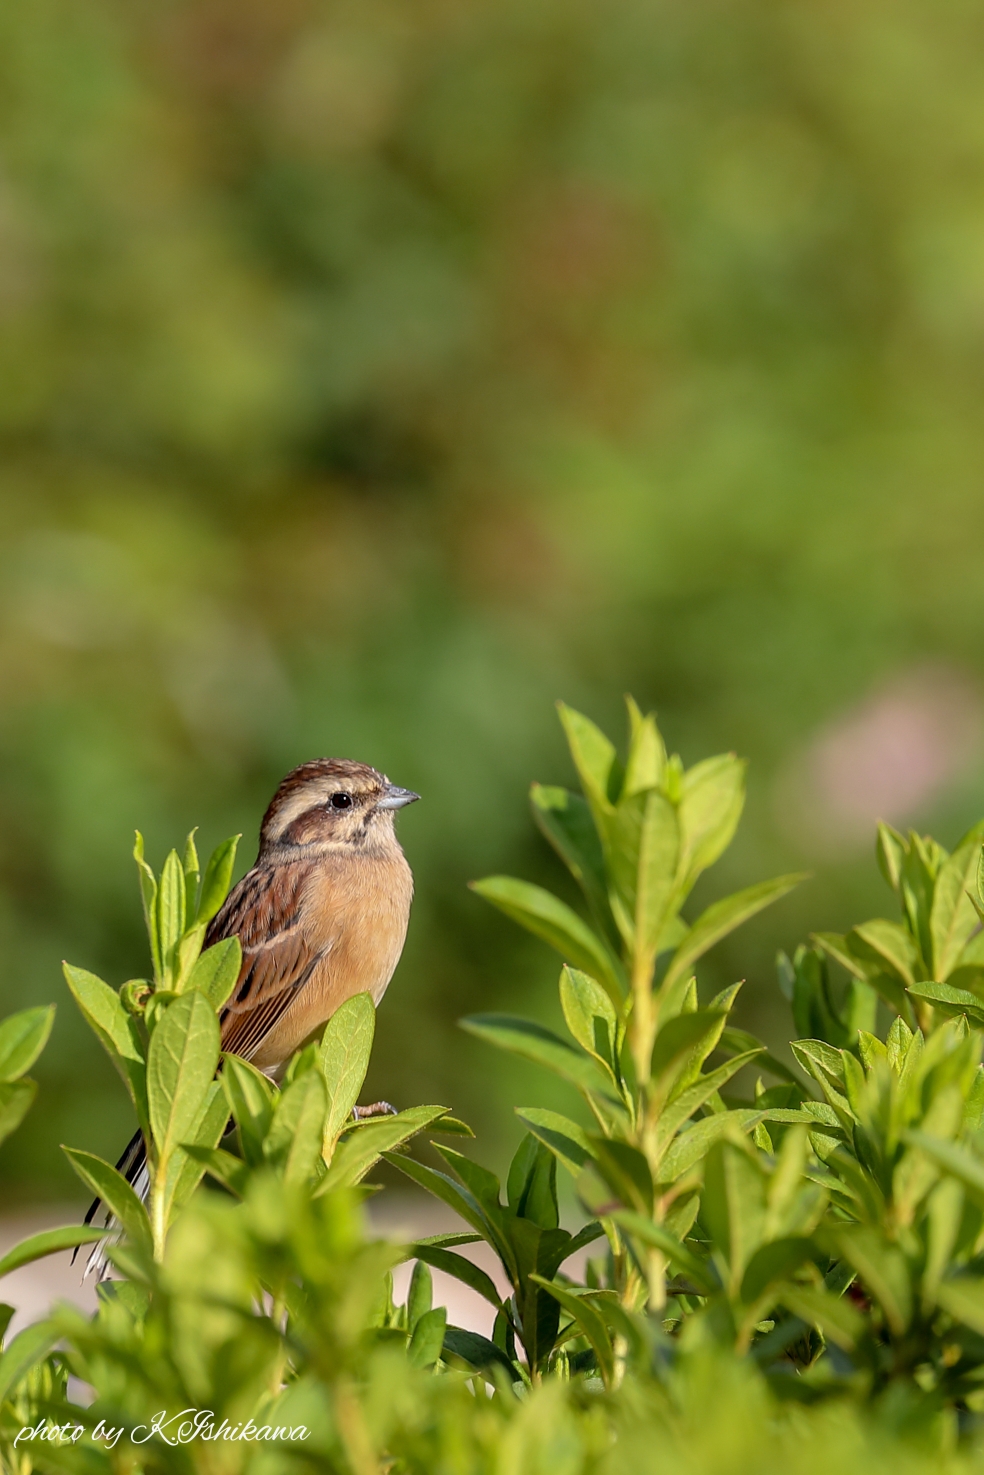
pixel 788 1276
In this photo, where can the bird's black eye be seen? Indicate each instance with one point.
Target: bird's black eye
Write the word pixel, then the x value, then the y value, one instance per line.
pixel 341 801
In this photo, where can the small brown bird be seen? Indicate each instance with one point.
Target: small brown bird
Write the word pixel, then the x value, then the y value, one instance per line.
pixel 321 916
pixel 323 913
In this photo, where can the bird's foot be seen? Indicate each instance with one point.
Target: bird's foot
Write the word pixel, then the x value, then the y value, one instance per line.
pixel 378 1108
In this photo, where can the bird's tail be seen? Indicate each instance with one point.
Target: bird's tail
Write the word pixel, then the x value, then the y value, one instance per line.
pixel 133 1166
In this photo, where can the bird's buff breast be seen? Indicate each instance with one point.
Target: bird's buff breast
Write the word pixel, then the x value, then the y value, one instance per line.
pixel 356 910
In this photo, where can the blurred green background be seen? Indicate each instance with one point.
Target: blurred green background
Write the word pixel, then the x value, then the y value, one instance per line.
pixel 372 375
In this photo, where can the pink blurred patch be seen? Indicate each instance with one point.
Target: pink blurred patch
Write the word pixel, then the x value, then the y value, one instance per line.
pixel 888 758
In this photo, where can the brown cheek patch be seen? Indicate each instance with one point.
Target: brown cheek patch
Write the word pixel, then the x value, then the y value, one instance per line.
pixel 312 825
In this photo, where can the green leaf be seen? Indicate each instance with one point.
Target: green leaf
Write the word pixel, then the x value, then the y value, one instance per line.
pixel 565 819
pixel 691 1145
pixel 684 1041
pixel 463 1202
pixel 216 971
pixel 590 1017
pixel 590 1322
pixel 565 1139
pixel 224 1167
pixel 344 1053
pixel 457 1266
pixel 883 1269
pixel 641 854
pixel 733 1206
pixel 109 1185
pixel 645 767
pixel 15 1102
pixel 596 763
pixel 170 907
pixel 477 1351
pixel 375 1139
pixel 191 867
pixel 215 882
pixel 48 1242
pixel 420 1294
pixel 890 849
pixel 952 917
pixel 534 1042
pixel 297 1131
pixel 625 1170
pixel 683 1106
pixel 963 1298
pixel 543 914
pixel 774 1262
pixel 950 1001
pixel 427 1341
pixel 890 944
pixel 478 1180
pixel 209 1130
pixel 956 1159
pixel 181 1062
pixel 654 1236
pixel 22 1038
pixel 252 1097
pixel 24 1352
pixel 116 1031
pixel 148 894
pixel 711 803
pixel 723 917
pixel 839 1321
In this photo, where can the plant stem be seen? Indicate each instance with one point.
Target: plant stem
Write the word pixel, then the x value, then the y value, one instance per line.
pixel 158 1222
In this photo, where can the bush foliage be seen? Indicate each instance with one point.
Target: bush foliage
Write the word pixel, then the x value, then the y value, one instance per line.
pixel 787 1261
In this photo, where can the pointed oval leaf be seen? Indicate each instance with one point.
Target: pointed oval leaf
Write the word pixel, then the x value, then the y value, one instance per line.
pixel 712 799
pixel 216 971
pixel 170 906
pixel 296 1135
pixel 952 916
pixel 346 1046
pixel 251 1097
pixel 215 882
pixel 590 1017
pixel 595 760
pixel 181 1062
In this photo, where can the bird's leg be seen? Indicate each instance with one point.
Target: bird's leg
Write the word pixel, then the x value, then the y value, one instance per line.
pixel 378 1108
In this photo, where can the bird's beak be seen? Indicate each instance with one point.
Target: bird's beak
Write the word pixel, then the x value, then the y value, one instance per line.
pixel 395 797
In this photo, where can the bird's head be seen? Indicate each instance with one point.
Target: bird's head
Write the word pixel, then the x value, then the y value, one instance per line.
pixel 333 802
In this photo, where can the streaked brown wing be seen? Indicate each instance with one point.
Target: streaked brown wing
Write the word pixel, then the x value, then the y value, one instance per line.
pixel 263 911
